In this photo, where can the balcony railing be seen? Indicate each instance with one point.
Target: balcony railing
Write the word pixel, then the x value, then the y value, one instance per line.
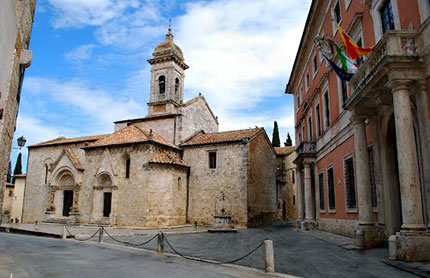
pixel 307 148
pixel 396 44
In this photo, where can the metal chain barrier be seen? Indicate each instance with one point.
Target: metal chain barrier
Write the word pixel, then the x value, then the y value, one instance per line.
pixel 129 243
pixel 209 261
pixel 74 236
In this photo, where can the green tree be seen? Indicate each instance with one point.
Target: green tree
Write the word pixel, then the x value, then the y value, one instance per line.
pixel 275 137
pixel 9 173
pixel 18 166
pixel 288 142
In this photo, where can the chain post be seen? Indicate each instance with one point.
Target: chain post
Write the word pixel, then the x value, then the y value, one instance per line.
pixel 269 258
pixel 64 236
pixel 101 230
pixel 160 243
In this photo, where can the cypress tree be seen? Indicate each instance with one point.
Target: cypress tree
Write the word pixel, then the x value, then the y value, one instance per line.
pixel 18 166
pixel 288 142
pixel 9 173
pixel 275 137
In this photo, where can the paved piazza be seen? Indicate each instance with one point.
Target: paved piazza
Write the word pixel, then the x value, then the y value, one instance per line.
pixel 296 253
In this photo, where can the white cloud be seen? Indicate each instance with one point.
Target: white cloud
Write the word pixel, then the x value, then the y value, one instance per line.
pixel 79 13
pixel 80 54
pixel 99 107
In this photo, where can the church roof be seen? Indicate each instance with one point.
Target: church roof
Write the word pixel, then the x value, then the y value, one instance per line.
pixel 284 150
pixel 222 137
pixel 164 157
pixel 130 135
pixel 64 140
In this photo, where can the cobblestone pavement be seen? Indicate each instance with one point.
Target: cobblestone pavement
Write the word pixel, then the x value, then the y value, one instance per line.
pixel 37 257
pixel 296 253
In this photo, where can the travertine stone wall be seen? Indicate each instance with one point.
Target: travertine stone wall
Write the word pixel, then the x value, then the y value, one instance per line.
pixel 287 191
pixel 153 195
pixel 205 185
pixel 261 181
pixel 164 127
pixel 16 20
pixel 195 117
pixel 36 193
pixel 338 226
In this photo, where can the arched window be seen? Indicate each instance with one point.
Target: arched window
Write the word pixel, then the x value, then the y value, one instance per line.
pixel 46 173
pixel 176 85
pixel 127 167
pixel 162 84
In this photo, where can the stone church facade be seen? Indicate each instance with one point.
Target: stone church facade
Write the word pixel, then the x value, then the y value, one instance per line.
pixel 165 169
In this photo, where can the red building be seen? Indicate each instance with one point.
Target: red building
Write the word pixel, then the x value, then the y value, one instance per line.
pixel 363 155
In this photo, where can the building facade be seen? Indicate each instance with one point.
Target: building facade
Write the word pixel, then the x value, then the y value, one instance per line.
pixel 363 147
pixel 16 22
pixel 286 190
pixel 12 200
pixel 165 169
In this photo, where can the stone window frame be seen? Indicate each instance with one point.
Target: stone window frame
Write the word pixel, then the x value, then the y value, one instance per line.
pixel 347 4
pixel 310 133
pixel 328 168
pixel 314 63
pixel 326 90
pixel 377 21
pixel 307 81
pixel 344 159
pixel 324 210
pixel 318 126
pixel 336 2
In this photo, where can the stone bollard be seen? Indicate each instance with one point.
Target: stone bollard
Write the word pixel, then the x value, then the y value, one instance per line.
pixel 36 226
pixel 160 243
pixel 101 235
pixel 64 236
pixel 269 258
pixel 392 247
pixel 359 239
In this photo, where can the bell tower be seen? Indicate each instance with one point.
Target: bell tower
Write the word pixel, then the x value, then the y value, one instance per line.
pixel 167 78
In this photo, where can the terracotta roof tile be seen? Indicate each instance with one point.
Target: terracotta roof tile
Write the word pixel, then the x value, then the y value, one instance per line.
pixel 74 159
pixel 284 150
pixel 129 135
pixel 222 137
pixel 164 157
pixel 64 140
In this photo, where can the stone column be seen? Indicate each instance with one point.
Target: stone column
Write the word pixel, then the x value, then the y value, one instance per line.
pixel 364 198
pixel 376 138
pixel 300 208
pixel 406 152
pixel 308 194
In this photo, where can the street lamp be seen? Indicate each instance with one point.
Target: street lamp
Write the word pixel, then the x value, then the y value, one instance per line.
pixel 21 142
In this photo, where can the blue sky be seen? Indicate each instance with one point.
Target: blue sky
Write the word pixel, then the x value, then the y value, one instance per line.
pixel 89 62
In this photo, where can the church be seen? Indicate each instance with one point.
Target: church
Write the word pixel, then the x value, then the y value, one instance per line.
pixel 168 168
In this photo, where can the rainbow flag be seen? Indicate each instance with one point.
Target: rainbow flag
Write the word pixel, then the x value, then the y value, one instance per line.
pixel 352 48
pixel 347 64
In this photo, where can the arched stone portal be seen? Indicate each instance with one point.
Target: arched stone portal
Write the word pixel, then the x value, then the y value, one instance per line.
pixel 102 200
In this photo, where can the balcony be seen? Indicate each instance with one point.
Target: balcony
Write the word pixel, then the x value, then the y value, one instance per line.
pixel 395 56
pixel 306 149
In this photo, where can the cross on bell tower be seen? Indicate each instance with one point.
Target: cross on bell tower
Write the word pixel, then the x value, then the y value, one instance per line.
pixel 167 77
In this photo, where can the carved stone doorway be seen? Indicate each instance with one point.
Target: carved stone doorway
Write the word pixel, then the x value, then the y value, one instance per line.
pixel 67 202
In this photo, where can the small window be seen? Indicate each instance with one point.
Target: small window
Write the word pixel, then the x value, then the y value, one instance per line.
pixel 293 176
pixel 1 114
pixel 298 101
pixel 10 193
pixel 336 12
pixel 327 110
pixel 294 199
pixel 162 84
pixel 307 81
pixel 127 168
pixel 315 64
pixel 321 189
pixel 212 160
pixel 318 112
pixel 349 183
pixel 46 173
pixel 344 90
pixel 331 193
pixel 303 131
pixel 311 137
pixel 176 85
pixel 387 17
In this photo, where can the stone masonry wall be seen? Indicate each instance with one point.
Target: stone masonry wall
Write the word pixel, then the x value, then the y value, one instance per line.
pixel 205 185
pixel 16 21
pixel 196 117
pixel 261 181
